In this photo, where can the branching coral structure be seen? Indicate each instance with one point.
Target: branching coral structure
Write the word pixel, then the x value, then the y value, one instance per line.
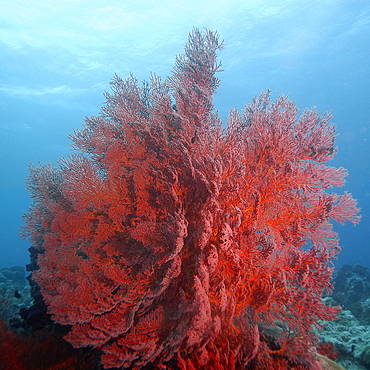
pixel 170 241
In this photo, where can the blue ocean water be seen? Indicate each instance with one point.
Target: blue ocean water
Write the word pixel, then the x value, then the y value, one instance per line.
pixel 57 60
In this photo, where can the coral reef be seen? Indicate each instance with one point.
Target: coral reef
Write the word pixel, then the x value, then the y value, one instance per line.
pixel 350 333
pixel 14 292
pixel 350 339
pixel 352 291
pixel 171 242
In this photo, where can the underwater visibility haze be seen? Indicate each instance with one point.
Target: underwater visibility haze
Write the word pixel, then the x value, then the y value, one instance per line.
pixel 57 60
pixel 192 217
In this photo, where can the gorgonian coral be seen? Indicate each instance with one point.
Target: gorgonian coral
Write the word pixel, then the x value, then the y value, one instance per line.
pixel 172 241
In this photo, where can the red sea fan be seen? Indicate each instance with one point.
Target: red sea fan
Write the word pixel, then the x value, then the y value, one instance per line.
pixel 173 242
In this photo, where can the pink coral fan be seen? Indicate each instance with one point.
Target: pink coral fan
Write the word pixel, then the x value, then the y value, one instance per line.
pixel 172 242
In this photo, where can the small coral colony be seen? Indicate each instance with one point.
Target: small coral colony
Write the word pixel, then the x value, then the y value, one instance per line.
pixel 169 240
